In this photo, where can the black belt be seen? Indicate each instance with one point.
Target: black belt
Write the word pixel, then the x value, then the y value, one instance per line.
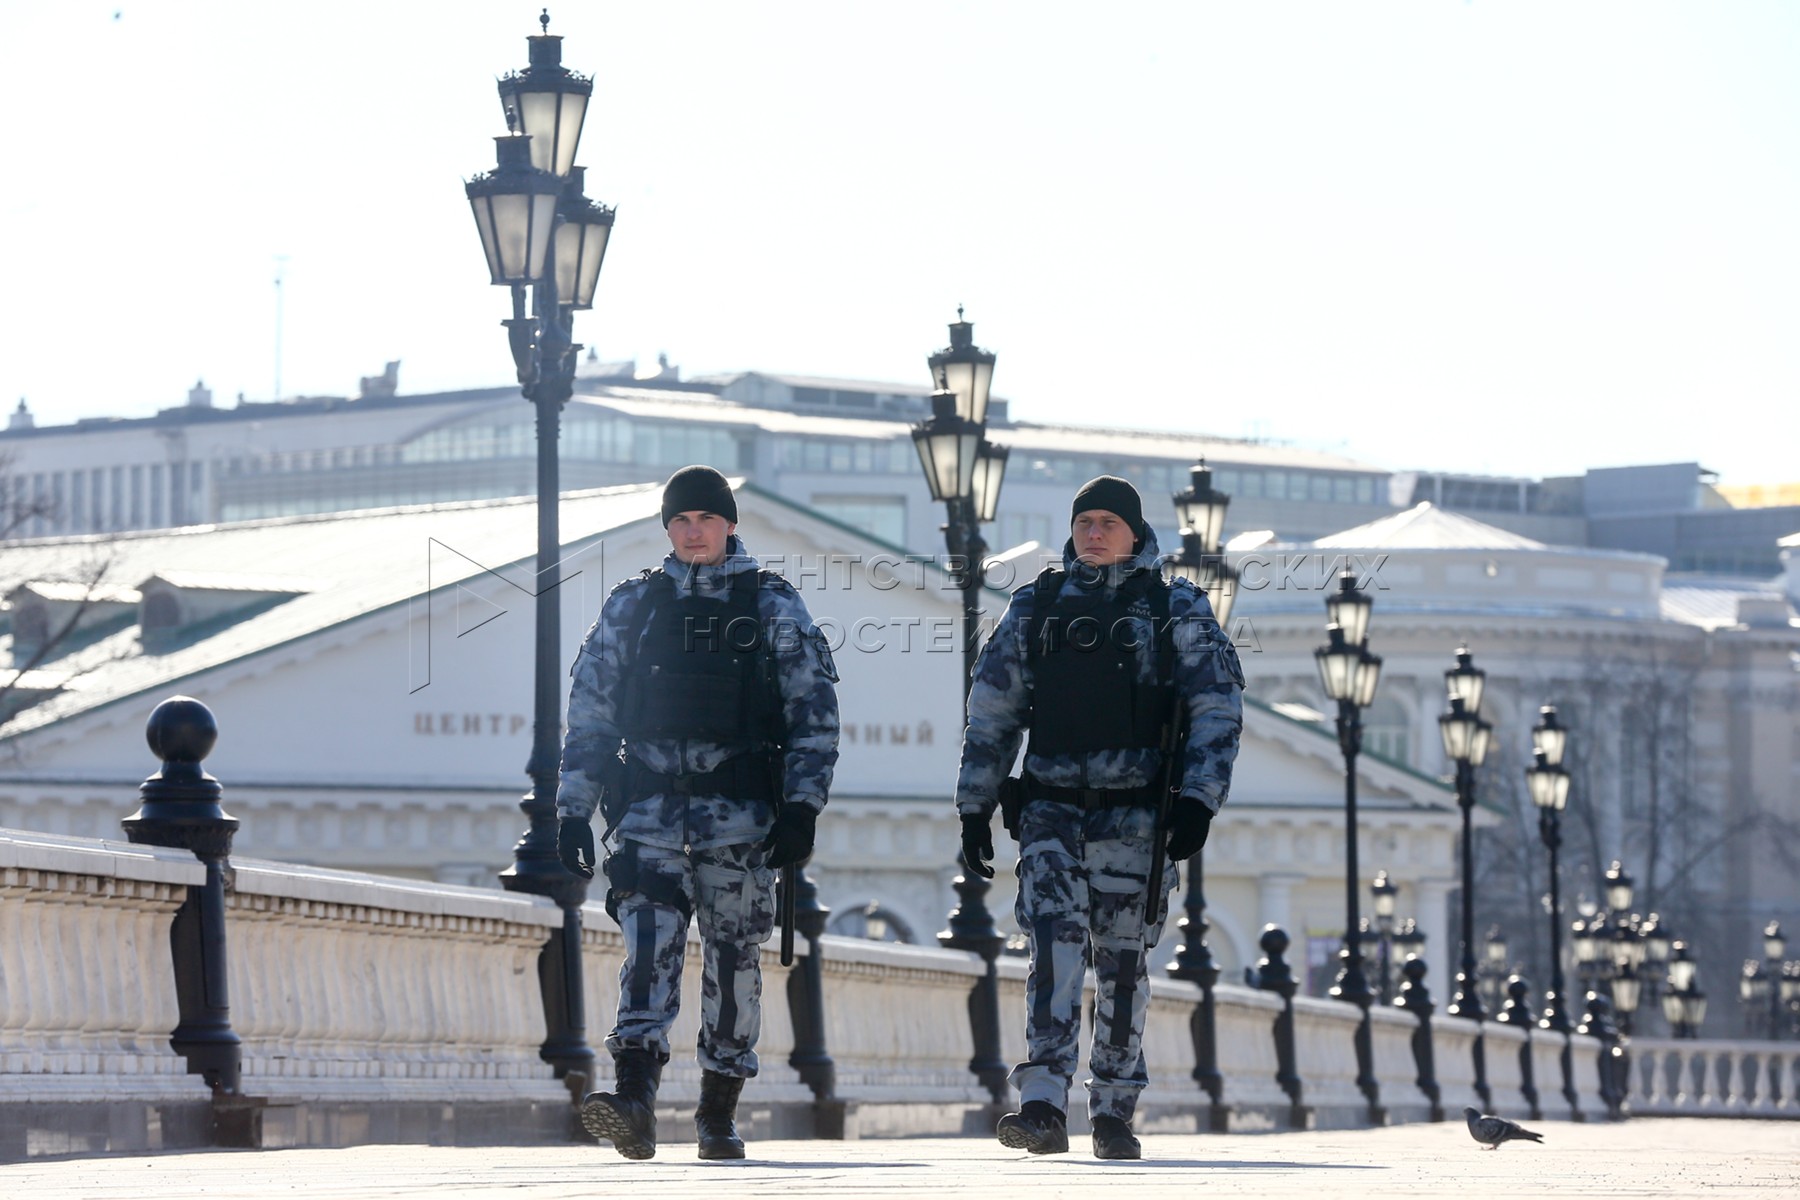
pixel 1091 798
pixel 746 777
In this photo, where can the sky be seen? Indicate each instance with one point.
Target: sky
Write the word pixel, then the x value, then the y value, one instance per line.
pixel 1514 239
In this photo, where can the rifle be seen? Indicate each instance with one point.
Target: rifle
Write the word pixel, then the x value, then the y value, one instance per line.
pixel 1168 786
pixel 790 874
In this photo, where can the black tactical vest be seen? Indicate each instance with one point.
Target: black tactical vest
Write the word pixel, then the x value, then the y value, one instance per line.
pixel 1086 695
pixel 702 668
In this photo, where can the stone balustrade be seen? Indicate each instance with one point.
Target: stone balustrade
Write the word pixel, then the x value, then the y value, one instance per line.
pixel 1682 1077
pixel 366 1004
pixel 86 997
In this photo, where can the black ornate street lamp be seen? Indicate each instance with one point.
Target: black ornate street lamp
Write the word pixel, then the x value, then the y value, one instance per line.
pixel 1684 1004
pixel 1658 942
pixel 1386 894
pixel 1548 782
pixel 1620 888
pixel 1495 969
pixel 1789 985
pixel 539 232
pixel 1774 954
pixel 1754 989
pixel 1466 738
pixel 1592 941
pixel 1409 941
pixel 1201 511
pixel 1350 673
pixel 964 471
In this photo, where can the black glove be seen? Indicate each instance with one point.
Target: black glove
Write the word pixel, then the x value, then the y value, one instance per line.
pixel 790 841
pixel 575 846
pixel 1188 826
pixel 978 844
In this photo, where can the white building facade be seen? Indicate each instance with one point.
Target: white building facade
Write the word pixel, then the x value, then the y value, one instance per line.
pixel 1683 701
pixel 371 674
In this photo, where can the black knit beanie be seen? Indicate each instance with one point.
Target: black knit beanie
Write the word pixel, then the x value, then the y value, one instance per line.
pixel 698 489
pixel 1113 494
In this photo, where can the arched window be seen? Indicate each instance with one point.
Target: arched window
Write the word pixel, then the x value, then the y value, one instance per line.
pixel 31 625
pixel 160 612
pixel 1385 731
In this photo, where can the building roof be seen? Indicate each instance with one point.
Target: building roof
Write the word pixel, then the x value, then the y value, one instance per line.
pixel 79 591
pixel 654 404
pixel 361 561
pixel 1425 526
pixel 235 581
pixel 1714 603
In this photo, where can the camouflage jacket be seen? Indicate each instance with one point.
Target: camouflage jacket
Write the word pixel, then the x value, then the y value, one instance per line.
pixel 1206 673
pixel 805 678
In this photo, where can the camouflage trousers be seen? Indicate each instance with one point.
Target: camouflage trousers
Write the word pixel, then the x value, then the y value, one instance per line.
pixel 730 893
pixel 1082 877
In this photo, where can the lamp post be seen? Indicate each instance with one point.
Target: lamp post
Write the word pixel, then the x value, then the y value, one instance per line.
pixel 1658 943
pixel 1774 952
pixel 1350 673
pixel 1592 940
pixel 1753 991
pixel 1494 972
pixel 1201 510
pixel 1790 995
pixel 964 471
pixel 540 233
pixel 1385 893
pixel 1684 1004
pixel 1620 888
pixel 1201 562
pixel 1548 782
pixel 1466 738
pixel 1408 942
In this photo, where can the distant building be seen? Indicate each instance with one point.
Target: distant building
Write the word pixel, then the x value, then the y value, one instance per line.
pixel 1674 510
pixel 371 674
pixel 1681 692
pixel 841 447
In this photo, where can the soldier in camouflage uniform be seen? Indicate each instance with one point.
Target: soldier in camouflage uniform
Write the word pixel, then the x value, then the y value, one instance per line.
pixel 1091 660
pixel 703 724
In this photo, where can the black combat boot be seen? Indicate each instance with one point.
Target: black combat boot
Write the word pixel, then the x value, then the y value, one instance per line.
pixel 1038 1126
pixel 626 1116
pixel 1113 1139
pixel 715 1119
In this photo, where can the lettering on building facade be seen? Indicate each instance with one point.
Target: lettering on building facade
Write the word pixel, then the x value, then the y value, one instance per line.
pixel 443 724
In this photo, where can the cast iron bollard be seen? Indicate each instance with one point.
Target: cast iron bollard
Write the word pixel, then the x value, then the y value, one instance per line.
pixel 1570 1092
pixel 972 928
pixel 1415 998
pixel 179 806
pixel 1612 1061
pixel 1273 974
pixel 806 1002
pixel 1517 1013
pixel 1194 963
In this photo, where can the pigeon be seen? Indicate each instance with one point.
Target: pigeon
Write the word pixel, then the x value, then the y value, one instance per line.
pixel 1491 1131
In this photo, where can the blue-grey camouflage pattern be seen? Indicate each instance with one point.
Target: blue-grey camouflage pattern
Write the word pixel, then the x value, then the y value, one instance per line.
pixel 704 848
pixel 730 892
pixel 1083 875
pixel 1082 882
pixel 1206 673
pixel 806 676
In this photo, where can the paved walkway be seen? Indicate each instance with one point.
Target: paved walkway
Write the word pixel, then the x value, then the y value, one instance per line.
pixel 1637 1158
